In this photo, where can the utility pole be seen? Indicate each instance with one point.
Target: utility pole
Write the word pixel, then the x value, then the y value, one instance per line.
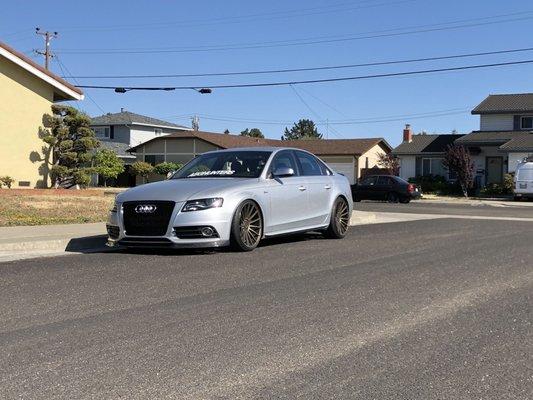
pixel 195 123
pixel 48 36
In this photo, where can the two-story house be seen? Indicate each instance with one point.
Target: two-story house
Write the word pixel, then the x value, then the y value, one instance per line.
pixel 120 131
pixel 504 138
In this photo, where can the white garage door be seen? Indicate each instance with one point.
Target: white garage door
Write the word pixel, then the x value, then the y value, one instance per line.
pixel 344 168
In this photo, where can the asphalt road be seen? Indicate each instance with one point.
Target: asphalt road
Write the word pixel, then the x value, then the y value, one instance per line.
pixel 473 208
pixel 417 310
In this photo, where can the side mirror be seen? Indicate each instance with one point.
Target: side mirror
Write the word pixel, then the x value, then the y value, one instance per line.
pixel 169 174
pixel 282 172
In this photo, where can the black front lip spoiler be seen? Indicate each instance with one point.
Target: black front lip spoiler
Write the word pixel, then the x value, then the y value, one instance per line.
pixel 151 243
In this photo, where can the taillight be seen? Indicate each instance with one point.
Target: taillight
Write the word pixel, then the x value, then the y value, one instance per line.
pixel 411 188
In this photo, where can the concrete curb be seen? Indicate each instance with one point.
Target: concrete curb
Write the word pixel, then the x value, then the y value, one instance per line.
pixel 34 241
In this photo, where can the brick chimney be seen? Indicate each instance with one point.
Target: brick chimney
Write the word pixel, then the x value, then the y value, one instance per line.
pixel 407 134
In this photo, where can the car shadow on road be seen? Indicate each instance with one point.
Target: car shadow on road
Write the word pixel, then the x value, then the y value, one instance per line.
pixel 87 244
pixel 96 244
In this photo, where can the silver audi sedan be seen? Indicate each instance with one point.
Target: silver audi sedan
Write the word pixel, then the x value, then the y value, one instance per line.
pixel 234 198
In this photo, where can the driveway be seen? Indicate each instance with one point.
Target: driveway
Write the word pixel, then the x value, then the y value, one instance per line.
pixel 413 310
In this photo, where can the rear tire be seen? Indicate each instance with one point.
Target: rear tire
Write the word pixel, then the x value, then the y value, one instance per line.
pixel 392 197
pixel 339 220
pixel 355 198
pixel 246 227
pixel 405 200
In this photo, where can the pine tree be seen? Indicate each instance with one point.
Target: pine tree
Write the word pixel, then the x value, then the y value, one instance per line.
pixel 71 144
pixel 254 132
pixel 303 129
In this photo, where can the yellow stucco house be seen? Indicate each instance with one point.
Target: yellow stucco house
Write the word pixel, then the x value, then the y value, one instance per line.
pixel 27 92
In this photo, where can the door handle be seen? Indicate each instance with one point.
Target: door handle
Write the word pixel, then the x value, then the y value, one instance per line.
pixel 302 188
pixel 327 187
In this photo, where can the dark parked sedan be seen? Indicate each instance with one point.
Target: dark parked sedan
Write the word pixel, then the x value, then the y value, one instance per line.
pixel 385 187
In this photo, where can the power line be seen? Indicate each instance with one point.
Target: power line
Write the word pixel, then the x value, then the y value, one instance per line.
pixel 63 66
pixel 313 111
pixel 402 31
pixel 390 118
pixel 122 89
pixel 237 19
pixel 308 69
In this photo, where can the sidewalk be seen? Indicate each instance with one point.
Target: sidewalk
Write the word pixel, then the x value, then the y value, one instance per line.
pixel 430 198
pixel 34 241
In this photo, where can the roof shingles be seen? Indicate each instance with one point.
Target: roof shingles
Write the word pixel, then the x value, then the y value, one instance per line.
pixel 490 137
pixel 319 146
pixel 426 144
pixel 129 118
pixel 505 104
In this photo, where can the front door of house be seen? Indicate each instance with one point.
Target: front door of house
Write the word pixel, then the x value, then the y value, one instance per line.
pixel 494 170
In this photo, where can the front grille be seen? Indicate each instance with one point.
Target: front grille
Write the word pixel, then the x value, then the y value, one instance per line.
pixel 146 242
pixel 113 231
pixel 147 223
pixel 194 232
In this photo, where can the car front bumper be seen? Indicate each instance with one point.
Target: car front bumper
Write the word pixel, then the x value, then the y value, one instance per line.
pixel 217 218
pixel 524 195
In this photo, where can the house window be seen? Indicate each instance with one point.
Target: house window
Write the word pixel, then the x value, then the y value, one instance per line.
pixel 102 132
pixel 154 159
pixel 526 123
pixel 426 166
pixel 158 131
pixel 433 166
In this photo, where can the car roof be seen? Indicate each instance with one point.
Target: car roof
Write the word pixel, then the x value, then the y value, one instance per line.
pixel 262 148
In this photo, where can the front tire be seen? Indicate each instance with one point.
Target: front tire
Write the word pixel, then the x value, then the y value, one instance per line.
pixel 246 227
pixel 339 220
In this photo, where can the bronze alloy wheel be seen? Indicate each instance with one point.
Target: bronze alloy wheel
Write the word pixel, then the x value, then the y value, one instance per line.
pixel 342 217
pixel 250 224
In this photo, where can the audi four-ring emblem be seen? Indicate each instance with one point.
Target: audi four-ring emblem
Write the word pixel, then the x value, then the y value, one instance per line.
pixel 145 209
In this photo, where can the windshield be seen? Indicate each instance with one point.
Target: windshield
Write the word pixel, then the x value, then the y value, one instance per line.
pixel 227 164
pixel 524 174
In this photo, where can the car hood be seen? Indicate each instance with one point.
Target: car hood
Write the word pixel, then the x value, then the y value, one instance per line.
pixel 180 189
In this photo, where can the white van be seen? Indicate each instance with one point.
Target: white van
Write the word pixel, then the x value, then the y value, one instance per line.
pixel 523 180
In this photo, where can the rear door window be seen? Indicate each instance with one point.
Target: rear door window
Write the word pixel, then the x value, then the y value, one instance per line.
pixel 309 164
pixel 384 181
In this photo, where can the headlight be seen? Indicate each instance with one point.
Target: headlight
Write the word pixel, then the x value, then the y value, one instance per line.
pixel 115 208
pixel 202 204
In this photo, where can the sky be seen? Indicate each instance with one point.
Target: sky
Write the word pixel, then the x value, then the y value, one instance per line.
pixel 117 38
